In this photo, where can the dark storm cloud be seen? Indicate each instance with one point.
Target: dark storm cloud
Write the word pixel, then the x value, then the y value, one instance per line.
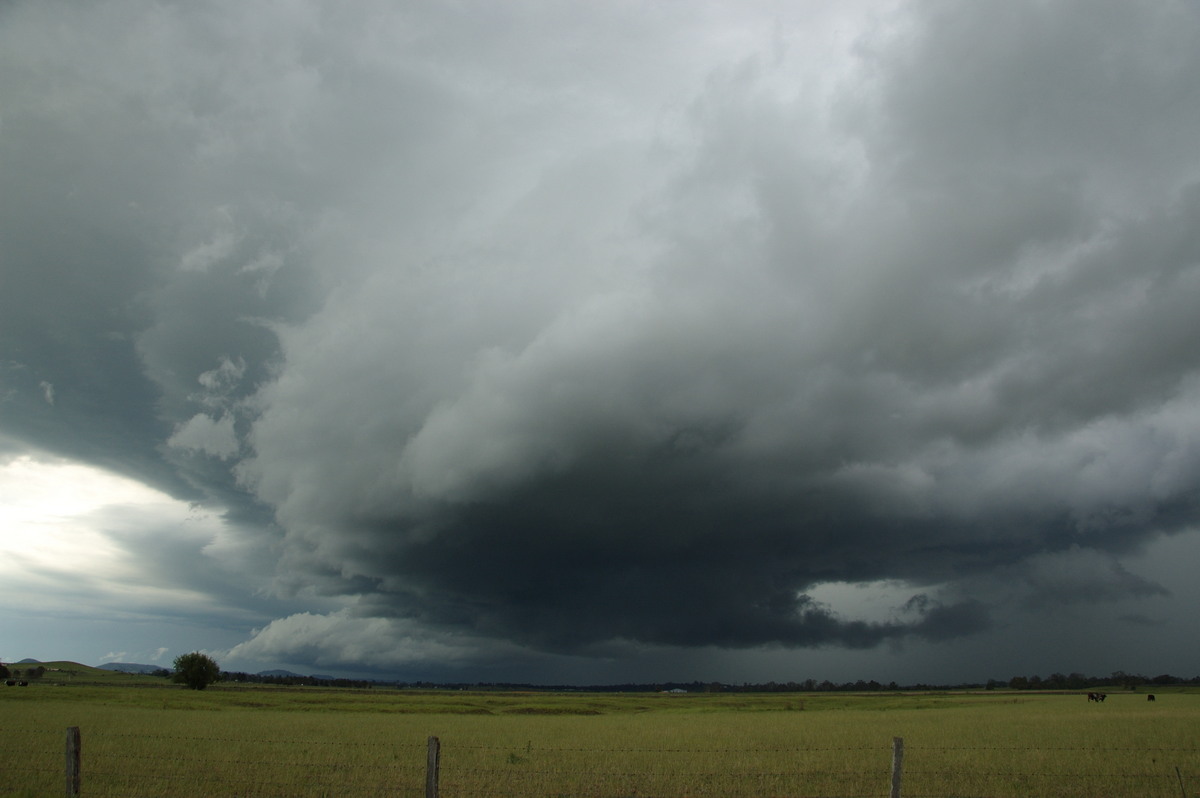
pixel 963 352
pixel 141 246
pixel 1072 576
pixel 587 327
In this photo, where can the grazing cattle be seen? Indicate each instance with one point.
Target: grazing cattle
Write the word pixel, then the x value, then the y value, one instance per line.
pixel 1097 697
pixel 22 684
pixel 9 682
pixel 1150 697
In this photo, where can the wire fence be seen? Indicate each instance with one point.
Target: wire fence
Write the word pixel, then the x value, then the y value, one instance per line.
pixel 37 762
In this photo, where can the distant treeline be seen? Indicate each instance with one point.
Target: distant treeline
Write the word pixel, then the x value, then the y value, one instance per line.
pixel 1055 681
pixel 1077 681
pixel 292 680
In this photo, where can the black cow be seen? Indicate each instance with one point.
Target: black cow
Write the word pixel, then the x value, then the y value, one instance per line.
pixel 1097 697
pixel 1150 697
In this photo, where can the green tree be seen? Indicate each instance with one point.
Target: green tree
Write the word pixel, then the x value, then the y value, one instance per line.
pixel 196 670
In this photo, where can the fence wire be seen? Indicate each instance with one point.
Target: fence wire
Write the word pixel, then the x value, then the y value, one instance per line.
pixel 175 766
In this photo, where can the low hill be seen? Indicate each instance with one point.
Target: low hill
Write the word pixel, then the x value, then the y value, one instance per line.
pixel 131 667
pixel 65 672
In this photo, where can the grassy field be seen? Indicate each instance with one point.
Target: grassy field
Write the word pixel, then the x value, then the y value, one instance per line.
pixel 143 737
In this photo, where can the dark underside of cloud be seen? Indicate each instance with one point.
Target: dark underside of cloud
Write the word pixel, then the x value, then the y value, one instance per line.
pixel 660 551
pixel 478 327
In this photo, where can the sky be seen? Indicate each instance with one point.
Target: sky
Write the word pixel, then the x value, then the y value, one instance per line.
pixel 595 342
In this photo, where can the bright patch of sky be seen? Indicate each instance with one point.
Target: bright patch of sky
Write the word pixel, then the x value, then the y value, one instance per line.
pixel 70 530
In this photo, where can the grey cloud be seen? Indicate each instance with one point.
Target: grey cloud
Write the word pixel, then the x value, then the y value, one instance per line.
pixel 1076 577
pixel 1141 620
pixel 381 644
pixel 950 393
pixel 576 326
pixel 1031 90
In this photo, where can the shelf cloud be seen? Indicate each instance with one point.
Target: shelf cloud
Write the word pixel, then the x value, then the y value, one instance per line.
pixel 543 331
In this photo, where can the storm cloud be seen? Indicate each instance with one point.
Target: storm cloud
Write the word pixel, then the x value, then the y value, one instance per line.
pixel 529 330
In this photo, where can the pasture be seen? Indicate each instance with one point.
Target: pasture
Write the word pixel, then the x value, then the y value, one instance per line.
pixel 141 737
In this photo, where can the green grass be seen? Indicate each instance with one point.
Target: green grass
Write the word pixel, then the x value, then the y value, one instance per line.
pixel 161 740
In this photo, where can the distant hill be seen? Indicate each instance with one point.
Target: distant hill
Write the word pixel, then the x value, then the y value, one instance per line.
pixel 63 671
pixel 130 667
pixel 28 661
pixel 281 673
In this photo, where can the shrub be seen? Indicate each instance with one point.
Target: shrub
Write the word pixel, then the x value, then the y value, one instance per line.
pixel 196 670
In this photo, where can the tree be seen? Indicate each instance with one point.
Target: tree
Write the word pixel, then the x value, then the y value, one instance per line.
pixel 196 670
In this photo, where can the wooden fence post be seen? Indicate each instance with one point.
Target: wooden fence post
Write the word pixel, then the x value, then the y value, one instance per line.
pixel 897 764
pixel 73 759
pixel 432 765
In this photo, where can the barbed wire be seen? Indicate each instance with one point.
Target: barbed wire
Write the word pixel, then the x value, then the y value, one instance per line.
pixel 294 763
pixel 314 768
pixel 815 749
pixel 27 769
pixel 1026 775
pixel 506 792
pixel 643 773
pixel 122 784
pixel 564 749
pixel 272 741
pixel 568 749
pixel 1139 749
